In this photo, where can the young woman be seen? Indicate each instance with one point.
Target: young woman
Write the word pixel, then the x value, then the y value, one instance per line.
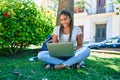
pixel 66 32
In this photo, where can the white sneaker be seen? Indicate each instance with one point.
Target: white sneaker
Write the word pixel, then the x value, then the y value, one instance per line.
pixel 82 64
pixel 31 59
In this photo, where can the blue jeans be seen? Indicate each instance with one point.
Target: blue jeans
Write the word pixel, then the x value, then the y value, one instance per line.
pixel 79 55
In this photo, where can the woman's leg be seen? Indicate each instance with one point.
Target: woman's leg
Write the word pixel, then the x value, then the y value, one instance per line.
pixel 80 55
pixel 45 57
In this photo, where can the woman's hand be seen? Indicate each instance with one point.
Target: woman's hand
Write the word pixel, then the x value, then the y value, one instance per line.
pixel 55 38
pixel 77 47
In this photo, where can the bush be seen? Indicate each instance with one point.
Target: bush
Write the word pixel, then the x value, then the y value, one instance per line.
pixel 22 23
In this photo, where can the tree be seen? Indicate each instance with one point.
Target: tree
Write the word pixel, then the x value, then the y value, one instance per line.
pixel 114 2
pixel 117 8
pixel 65 4
pixel 80 5
pixel 55 5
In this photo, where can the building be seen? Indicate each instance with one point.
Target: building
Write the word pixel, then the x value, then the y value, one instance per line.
pixel 98 22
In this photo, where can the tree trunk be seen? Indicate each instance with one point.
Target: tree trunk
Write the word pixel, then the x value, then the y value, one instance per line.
pixel 65 4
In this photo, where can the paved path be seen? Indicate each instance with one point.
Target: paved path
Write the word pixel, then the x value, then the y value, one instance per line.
pixel 107 50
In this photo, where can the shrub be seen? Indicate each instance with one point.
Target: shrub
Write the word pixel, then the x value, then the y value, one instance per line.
pixel 22 23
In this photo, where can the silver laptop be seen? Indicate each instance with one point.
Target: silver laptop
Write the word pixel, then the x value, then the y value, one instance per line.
pixel 62 49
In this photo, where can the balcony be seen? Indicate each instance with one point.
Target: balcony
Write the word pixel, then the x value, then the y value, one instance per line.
pixel 93 11
pixel 100 10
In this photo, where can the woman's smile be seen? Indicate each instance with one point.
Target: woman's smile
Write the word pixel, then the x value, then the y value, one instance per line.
pixel 65 20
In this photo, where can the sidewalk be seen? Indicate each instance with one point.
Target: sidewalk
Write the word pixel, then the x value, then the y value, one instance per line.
pixel 103 50
pixel 106 51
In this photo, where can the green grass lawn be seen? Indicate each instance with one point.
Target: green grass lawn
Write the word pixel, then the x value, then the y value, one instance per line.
pixel 100 66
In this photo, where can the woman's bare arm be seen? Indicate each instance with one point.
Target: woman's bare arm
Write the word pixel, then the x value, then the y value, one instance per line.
pixel 55 38
pixel 79 41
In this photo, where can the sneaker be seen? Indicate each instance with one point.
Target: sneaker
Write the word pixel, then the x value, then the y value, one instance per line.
pixel 33 59
pixel 82 64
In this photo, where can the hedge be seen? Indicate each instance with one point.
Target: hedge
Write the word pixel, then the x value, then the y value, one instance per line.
pixel 23 23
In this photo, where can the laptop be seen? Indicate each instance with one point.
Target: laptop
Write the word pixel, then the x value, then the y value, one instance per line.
pixel 62 49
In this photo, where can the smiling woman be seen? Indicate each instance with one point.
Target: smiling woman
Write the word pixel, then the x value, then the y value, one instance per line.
pixel 66 32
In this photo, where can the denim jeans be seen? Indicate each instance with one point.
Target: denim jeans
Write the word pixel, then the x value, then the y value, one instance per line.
pixel 79 55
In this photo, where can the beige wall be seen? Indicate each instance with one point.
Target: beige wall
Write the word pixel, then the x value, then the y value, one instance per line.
pixel 116 25
pixel 89 22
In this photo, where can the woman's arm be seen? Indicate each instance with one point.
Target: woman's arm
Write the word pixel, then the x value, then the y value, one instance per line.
pixel 55 38
pixel 79 41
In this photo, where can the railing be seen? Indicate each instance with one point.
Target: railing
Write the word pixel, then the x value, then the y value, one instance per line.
pixel 100 10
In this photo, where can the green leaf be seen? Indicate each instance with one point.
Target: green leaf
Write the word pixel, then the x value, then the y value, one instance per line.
pixel 26 22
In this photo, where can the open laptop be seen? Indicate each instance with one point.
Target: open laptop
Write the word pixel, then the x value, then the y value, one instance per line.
pixel 62 49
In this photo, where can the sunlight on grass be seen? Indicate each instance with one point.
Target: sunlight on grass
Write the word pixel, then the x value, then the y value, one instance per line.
pixel 106 63
pixel 116 68
pixel 92 58
pixel 83 71
pixel 100 66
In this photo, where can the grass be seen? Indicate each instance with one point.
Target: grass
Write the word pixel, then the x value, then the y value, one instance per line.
pixel 100 66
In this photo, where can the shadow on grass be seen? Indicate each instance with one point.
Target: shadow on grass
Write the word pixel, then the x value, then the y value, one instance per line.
pixel 23 52
pixel 21 69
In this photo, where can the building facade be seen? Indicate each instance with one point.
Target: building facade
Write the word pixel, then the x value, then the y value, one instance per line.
pixel 98 22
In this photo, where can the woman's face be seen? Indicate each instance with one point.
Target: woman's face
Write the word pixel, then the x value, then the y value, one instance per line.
pixel 65 20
